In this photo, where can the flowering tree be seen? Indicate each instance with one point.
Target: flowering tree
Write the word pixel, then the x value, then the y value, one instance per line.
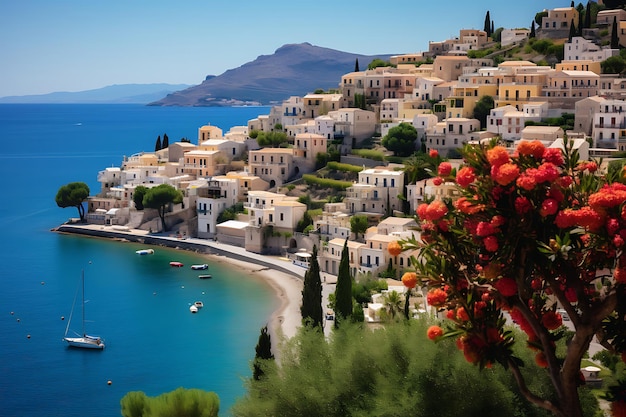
pixel 531 233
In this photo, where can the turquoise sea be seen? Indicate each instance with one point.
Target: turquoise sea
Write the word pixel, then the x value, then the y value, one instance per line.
pixel 138 304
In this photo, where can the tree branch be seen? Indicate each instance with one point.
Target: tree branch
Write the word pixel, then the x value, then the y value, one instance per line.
pixel 534 399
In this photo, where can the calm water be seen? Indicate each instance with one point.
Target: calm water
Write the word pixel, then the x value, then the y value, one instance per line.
pixel 139 304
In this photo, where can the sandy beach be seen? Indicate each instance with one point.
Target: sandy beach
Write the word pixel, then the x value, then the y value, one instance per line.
pixel 284 322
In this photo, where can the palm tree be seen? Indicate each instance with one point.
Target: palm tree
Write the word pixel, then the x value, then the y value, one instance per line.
pixel 418 167
pixel 393 303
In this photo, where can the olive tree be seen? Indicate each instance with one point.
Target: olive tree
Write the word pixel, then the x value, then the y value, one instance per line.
pixel 73 195
pixel 160 197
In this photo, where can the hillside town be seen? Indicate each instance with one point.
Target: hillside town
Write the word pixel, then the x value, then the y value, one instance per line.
pixel 435 91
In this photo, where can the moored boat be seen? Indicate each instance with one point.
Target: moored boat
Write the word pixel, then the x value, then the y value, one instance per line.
pixel 145 252
pixel 205 276
pixel 193 309
pixel 200 267
pixel 176 264
pixel 85 341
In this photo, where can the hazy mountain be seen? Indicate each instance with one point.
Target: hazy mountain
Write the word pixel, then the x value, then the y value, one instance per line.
pixel 115 94
pixel 293 70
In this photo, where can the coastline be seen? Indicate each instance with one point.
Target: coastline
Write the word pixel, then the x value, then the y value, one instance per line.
pixel 285 279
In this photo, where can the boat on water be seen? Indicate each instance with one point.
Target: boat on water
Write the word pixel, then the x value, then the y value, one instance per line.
pixel 199 304
pixel 176 264
pixel 85 341
pixel 145 252
pixel 205 276
pixel 200 267
pixel 196 306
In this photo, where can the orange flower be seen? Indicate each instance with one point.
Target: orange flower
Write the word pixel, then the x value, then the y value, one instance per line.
pixel 531 147
pixel 540 360
pixel 465 176
pixel 436 210
pixel 505 174
pixel 394 248
pixel 434 332
pixel 436 297
pixel 444 169
pixel 409 279
pixel 552 320
pixel 497 156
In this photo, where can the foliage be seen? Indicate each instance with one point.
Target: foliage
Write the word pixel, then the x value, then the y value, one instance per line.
pixel 482 109
pixel 180 402
pixel 311 179
pixel 73 195
pixel 362 290
pixel 343 290
pixel 613 65
pixel 420 166
pixel 344 167
pixel 539 17
pixel 311 309
pixel 157 145
pixel 166 141
pixel 140 192
pixel 263 355
pixel 530 232
pixel 358 224
pixel 230 213
pixel 160 197
pixel 304 222
pixel 377 62
pixel 369 154
pixel 401 139
pixel 392 301
pixel 272 139
pixel 392 371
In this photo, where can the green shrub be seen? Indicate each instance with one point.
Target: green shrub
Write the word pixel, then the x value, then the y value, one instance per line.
pixel 337 166
pixel 326 182
pixel 369 154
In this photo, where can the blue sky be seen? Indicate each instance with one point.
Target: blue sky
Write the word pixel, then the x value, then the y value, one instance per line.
pixel 75 45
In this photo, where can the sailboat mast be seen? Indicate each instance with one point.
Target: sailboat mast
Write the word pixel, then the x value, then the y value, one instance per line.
pixel 83 303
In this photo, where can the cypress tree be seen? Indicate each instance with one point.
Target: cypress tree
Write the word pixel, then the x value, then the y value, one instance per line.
pixel 157 145
pixel 311 308
pixel 492 29
pixel 356 65
pixel 614 38
pixel 263 352
pixel 487 26
pixel 166 141
pixel 579 31
pixel 572 30
pixel 572 4
pixel 588 15
pixel 532 31
pixel 343 291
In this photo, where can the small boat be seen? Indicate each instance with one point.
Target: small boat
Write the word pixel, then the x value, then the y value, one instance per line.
pixel 205 276
pixel 145 252
pixel 200 267
pixel 193 309
pixel 85 341
pixel 199 304
pixel 176 264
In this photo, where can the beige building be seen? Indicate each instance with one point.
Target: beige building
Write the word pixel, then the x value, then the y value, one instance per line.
pixel 377 191
pixel 314 105
pixel 559 20
pixel 203 164
pixel 274 165
pixel 207 132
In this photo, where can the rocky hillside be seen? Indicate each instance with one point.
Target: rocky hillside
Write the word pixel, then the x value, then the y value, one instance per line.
pixel 293 70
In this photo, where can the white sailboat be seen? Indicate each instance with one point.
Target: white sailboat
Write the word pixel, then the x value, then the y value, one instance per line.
pixel 85 341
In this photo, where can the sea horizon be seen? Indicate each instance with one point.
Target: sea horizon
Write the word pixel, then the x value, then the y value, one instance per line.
pixel 138 304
